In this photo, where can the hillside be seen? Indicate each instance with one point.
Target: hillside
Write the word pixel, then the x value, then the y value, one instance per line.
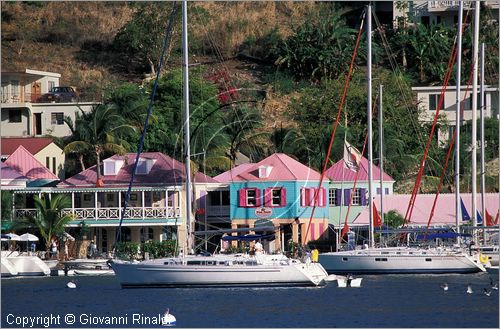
pixel 75 38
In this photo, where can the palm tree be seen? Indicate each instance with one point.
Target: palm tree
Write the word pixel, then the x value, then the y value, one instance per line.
pixel 49 219
pixel 101 130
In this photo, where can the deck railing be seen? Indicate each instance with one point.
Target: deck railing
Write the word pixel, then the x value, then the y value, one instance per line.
pixel 111 213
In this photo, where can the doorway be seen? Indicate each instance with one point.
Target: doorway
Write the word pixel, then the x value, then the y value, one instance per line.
pixel 37 123
pixel 36 91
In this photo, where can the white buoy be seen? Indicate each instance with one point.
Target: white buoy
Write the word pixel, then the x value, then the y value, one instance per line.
pixel 71 285
pixel 469 289
pixel 168 319
pixel 444 286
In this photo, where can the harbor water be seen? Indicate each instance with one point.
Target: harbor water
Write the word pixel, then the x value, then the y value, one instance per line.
pixel 383 301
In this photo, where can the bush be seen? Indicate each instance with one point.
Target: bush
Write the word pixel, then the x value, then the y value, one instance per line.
pixel 158 249
pixel 127 250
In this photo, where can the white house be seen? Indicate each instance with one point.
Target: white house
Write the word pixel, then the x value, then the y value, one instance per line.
pixel 22 112
pixel 428 100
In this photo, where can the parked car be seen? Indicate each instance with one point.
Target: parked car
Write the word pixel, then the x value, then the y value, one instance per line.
pixel 60 95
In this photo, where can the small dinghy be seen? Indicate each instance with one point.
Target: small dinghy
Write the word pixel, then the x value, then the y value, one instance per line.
pixel 348 281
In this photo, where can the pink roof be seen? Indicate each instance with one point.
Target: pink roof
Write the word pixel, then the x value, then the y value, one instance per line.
pixel 24 162
pixel 165 171
pixel 444 212
pixel 284 169
pixel 228 176
pixel 8 172
pixel 336 175
pixel 32 144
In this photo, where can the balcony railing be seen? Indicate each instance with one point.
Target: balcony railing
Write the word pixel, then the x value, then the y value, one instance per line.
pixel 446 5
pixel 10 98
pixel 111 213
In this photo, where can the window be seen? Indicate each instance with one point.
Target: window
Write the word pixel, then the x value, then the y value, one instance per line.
pixel 54 166
pixel 47 162
pixel 356 198
pixel 311 196
pixel 52 84
pixel 57 118
pixel 276 197
pixel 225 198
pixel 249 197
pixel 146 234
pixel 14 116
pixel 332 198
pixel 252 198
pixel 433 102
pixel 142 167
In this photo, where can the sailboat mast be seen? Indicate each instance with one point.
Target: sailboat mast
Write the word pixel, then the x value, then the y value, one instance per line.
pixel 381 155
pixel 187 150
pixel 369 111
pixel 474 119
pixel 458 209
pixel 482 107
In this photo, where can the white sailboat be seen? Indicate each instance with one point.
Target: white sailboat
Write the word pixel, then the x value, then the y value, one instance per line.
pixel 397 259
pixel 217 270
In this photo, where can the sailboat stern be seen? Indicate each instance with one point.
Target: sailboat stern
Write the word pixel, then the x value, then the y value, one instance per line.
pixel 314 272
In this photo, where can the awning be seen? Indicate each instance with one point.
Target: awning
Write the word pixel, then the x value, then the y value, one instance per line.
pixel 447 235
pixel 249 237
pixel 236 230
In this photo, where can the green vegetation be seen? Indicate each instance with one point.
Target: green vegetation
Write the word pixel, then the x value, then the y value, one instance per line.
pixel 49 220
pixel 288 64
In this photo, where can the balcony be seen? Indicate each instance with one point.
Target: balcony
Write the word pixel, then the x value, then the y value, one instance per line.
pixel 446 5
pixel 111 213
pixel 16 98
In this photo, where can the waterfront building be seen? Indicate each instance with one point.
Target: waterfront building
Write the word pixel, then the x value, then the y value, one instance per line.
pixel 444 212
pixel 279 190
pixel 340 191
pixel 156 210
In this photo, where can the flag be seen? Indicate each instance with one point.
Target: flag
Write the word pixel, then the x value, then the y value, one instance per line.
pixel 352 157
pixel 465 214
pixel 479 219
pixel 377 221
pixel 345 229
pixel 489 218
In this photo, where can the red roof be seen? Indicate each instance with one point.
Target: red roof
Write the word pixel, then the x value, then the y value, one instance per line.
pixel 24 162
pixel 284 168
pixel 338 173
pixel 228 176
pixel 165 172
pixel 32 144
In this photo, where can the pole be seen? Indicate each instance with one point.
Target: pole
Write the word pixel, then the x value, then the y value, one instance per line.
pixel 482 107
pixel 458 209
pixel 474 119
pixel 381 155
pixel 369 112
pixel 187 156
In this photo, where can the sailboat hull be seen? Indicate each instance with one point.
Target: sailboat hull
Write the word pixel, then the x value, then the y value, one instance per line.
pixel 398 260
pixel 217 272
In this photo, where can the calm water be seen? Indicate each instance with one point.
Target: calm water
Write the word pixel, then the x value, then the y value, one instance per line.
pixel 382 301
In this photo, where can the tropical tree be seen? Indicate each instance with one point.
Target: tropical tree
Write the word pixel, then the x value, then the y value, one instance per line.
pixel 101 130
pixel 393 219
pixel 320 48
pixel 141 38
pixel 429 46
pixel 49 220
